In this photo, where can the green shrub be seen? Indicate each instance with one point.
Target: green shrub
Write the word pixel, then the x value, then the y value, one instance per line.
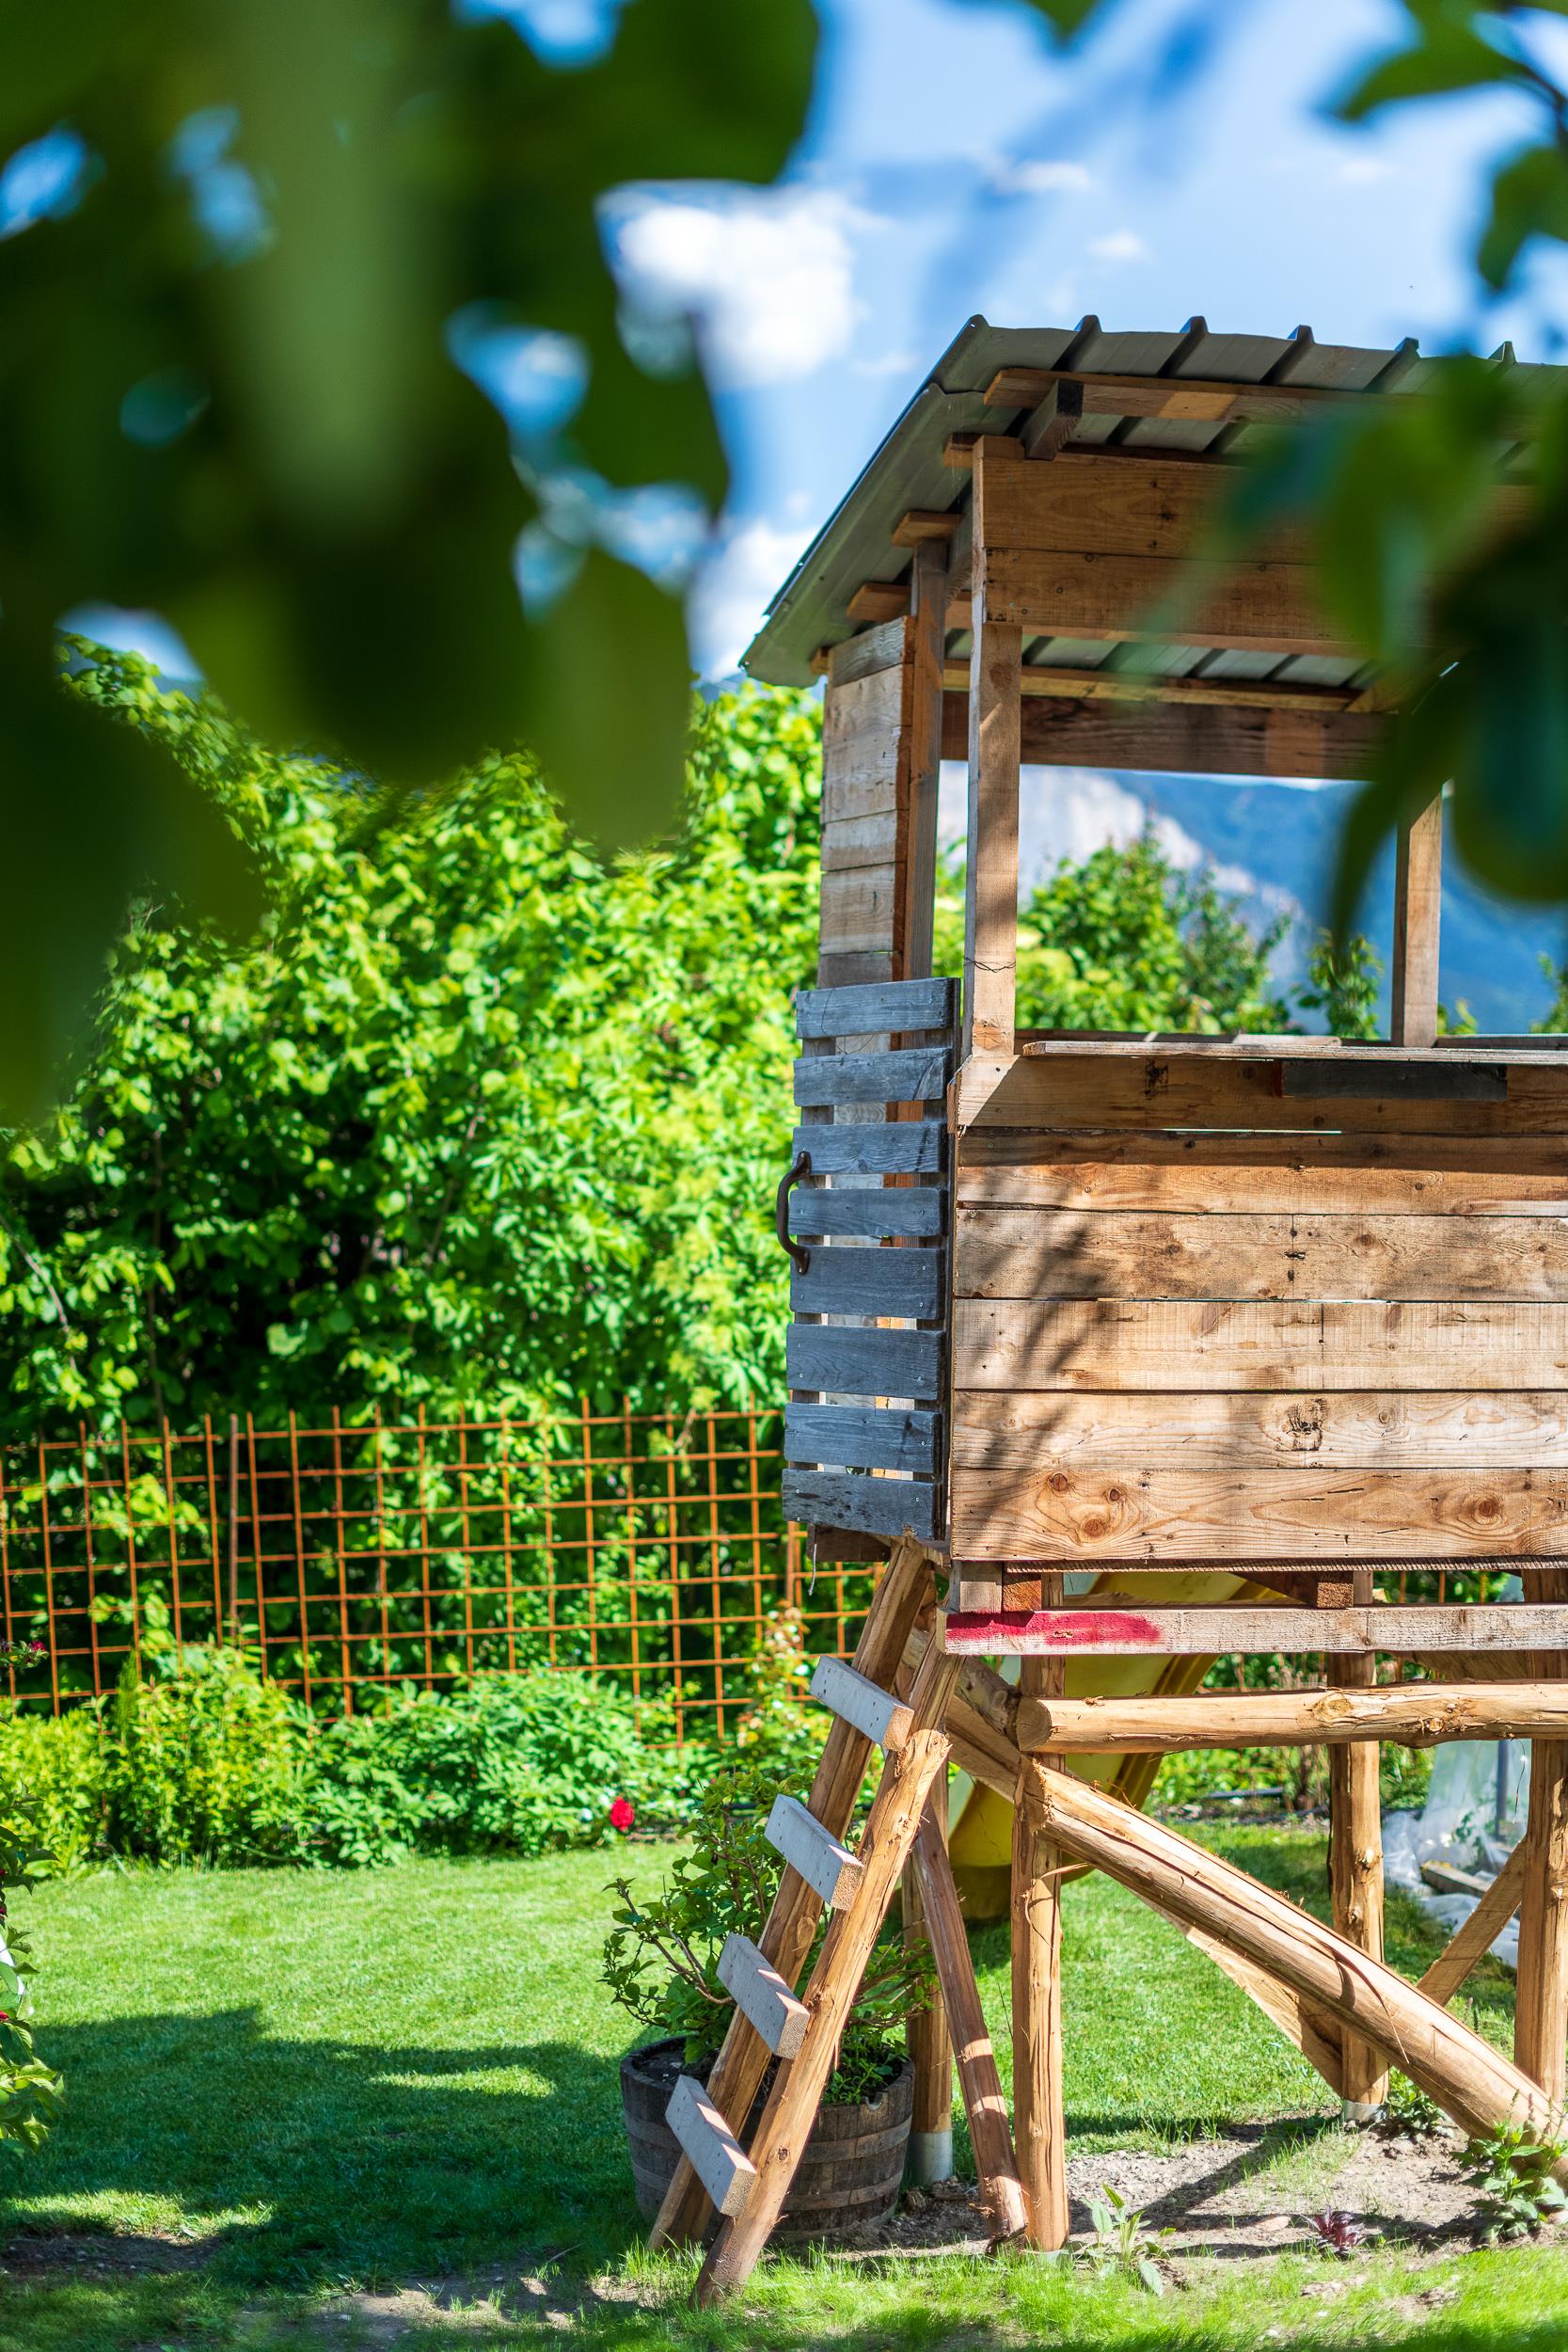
pixel 205 1763
pixel 518 1764
pixel 54 1783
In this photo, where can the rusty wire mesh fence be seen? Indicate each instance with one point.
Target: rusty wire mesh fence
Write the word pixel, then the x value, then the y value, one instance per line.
pixel 648 1549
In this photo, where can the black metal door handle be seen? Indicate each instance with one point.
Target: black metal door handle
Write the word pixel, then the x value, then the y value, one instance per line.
pixel 799 1168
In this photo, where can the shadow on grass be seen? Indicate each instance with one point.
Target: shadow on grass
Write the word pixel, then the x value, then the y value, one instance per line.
pixel 303 2162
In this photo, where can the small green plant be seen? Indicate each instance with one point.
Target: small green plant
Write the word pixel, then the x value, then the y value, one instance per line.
pixel 1407 2109
pixel 31 2094
pixel 1513 2171
pixel 661 1955
pixel 1119 2242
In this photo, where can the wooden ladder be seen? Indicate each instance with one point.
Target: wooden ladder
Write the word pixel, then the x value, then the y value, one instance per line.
pixel 802 2034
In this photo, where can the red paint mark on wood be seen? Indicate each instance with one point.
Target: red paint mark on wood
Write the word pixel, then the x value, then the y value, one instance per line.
pixel 1050 1629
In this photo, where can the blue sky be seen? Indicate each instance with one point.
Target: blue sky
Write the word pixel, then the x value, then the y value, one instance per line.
pixel 954 164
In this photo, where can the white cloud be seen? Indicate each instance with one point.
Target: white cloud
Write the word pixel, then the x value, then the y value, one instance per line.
pixel 1121 244
pixel 749 561
pixel 888 363
pixel 771 276
pixel 1041 175
pixel 1361 170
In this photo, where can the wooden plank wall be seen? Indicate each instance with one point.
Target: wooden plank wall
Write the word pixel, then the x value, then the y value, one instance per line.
pixel 1340 1335
pixel 865 800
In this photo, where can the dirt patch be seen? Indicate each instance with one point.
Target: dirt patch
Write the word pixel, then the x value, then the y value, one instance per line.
pixel 100 2253
pixel 1249 2192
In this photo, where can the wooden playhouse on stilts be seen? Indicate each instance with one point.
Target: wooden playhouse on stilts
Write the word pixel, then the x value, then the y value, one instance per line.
pixel 1133 1352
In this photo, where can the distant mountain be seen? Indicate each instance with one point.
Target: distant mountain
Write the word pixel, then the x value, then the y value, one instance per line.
pixel 1274 845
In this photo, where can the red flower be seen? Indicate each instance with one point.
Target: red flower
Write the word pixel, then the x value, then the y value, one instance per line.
pixel 622 1813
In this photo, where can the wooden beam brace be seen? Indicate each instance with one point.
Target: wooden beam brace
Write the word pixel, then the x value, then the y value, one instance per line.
pixel 921 525
pixel 1412 1714
pixel 1135 1629
pixel 1475 1936
pixel 1472 2082
pixel 991 891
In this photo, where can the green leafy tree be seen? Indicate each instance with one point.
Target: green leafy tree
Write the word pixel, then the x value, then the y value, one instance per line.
pixel 1124 940
pixel 482 1112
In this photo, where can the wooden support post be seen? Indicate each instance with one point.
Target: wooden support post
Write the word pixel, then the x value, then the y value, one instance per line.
pixel 990 893
pixel 925 761
pixel 1000 2191
pixel 1039 2128
pixel 1417 911
pixel 1472 2082
pixel 931 2043
pixel 1540 2012
pixel 1356 1863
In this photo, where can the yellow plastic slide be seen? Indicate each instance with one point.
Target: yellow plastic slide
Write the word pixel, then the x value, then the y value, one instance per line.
pixel 981 1822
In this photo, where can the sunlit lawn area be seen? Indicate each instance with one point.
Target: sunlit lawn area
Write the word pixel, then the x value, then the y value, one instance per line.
pixel 302 2084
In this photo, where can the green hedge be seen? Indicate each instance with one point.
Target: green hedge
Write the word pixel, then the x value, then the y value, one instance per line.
pixel 205 1763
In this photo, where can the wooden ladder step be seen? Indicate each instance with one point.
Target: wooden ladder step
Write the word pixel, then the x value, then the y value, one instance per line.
pixel 877 1713
pixel 716 2156
pixel 822 1859
pixel 762 1996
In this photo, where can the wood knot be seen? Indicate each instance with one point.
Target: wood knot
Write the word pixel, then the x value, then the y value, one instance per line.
pixel 1058 1482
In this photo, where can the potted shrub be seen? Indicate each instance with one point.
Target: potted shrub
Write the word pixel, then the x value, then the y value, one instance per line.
pixel 660 1961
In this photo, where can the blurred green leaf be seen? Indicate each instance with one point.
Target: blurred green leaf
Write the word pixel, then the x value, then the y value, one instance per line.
pixel 95 816
pixel 1448 54
pixel 1530 198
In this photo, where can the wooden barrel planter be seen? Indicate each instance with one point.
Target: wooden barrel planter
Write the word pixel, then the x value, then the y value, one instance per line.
pixel 850 2174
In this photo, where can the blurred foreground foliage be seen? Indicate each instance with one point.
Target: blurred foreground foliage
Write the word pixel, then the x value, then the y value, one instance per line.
pixel 279 252
pixel 1460 595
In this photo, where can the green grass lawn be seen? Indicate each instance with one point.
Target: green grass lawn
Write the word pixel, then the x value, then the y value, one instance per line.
pixel 330 2082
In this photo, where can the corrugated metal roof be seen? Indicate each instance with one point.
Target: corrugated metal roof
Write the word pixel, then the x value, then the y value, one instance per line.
pixel 856 542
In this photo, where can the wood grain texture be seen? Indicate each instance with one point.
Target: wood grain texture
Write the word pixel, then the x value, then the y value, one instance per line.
pixel 1356 1868
pixel 1244 1430
pixel 1221 1175
pixel 917 1074
pixel 928 2039
pixel 925 752
pixel 881 1507
pixel 990 874
pixel 845 1280
pixel 1171 1347
pixel 1039 2105
pixel 883 1717
pixel 856 1363
pixel 1066 1089
pixel 1414 1714
pixel 915 1212
pixel 720 2163
pixel 1001 2191
pixel 895 1006
pixel 1418 917
pixel 1107 504
pixel 762 1996
pixel 1153 733
pixel 1079 1517
pixel 864 1437
pixel 911 1147
pixel 882 647
pixel 822 1859
pixel 1139 1628
pixel 1134 1254
pixel 1541 2005
pixel 1251 607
